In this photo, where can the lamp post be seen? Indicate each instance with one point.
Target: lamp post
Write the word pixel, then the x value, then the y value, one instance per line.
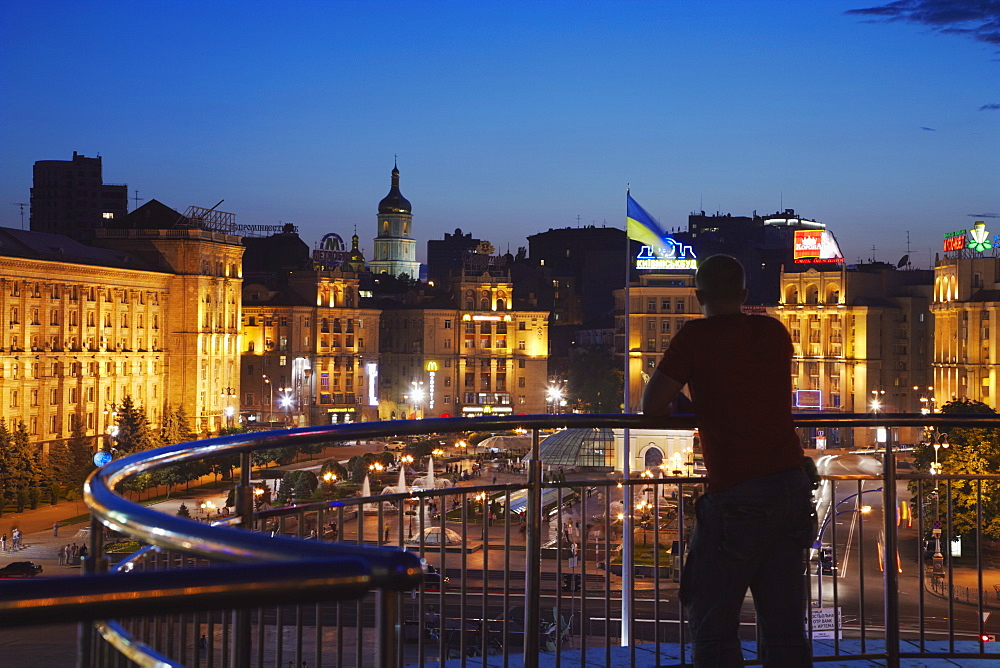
pixel 938 440
pixel 554 397
pixel 926 398
pixel 416 396
pixel 228 394
pixel 286 402
pixel 270 399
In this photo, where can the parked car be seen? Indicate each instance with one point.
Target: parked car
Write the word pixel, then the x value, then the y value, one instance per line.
pixel 20 569
pixel 433 579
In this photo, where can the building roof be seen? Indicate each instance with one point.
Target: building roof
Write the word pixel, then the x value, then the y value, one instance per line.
pixel 394 202
pixel 577 447
pixel 59 248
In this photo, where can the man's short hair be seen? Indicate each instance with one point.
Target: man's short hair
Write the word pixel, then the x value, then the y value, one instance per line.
pixel 720 277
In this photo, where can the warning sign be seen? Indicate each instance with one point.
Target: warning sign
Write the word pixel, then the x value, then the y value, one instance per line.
pixel 825 623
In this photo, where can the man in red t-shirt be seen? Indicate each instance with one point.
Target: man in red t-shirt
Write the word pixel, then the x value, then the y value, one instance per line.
pixel 756 520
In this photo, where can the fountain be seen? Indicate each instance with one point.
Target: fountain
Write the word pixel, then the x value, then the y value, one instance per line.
pixel 400 487
pixel 429 481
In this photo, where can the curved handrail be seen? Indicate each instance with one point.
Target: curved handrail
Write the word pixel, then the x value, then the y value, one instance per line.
pixel 235 545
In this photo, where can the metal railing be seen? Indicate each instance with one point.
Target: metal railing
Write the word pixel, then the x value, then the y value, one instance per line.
pixel 510 585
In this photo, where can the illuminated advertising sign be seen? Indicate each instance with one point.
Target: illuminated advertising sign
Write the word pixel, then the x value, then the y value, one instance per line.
pixel 977 239
pixel 954 241
pixel 816 246
pixel 372 369
pixel 331 251
pixel 808 399
pixel 432 368
pixel 671 256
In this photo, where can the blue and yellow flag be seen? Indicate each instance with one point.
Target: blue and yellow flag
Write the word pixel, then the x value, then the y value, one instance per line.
pixel 643 228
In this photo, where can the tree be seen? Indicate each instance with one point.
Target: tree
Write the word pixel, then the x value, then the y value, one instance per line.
pixel 25 463
pixel 596 382
pixel 134 433
pixel 971 451
pixel 183 511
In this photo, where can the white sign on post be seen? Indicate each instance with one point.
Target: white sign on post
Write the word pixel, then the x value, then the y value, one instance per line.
pixel 825 623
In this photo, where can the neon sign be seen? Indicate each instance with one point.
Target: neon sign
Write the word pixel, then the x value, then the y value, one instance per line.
pixel 808 399
pixel 671 256
pixel 977 239
pixel 954 241
pixel 432 368
pixel 372 369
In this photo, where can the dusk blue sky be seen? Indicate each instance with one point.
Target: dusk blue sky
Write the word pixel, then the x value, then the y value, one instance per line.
pixel 512 118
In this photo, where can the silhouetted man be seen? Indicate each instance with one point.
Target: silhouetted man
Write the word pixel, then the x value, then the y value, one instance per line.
pixel 756 519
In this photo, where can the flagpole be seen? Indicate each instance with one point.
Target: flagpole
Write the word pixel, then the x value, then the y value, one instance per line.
pixel 626 638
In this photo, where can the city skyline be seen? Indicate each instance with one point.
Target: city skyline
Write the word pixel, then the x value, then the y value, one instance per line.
pixel 508 123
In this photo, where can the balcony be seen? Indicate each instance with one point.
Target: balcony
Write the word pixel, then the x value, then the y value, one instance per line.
pixel 511 587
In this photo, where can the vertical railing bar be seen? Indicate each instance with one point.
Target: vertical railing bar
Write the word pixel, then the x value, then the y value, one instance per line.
pixel 532 553
pixel 979 561
pixel 442 617
pixel 921 570
pixel 386 628
pixel 861 572
pixel 657 628
pixel 607 574
pixel 279 634
pixel 464 561
pixel 891 575
pixel 836 565
pixel 261 633
pixel 485 518
pixel 630 565
pixel 560 532
pixel 681 546
pixel 318 637
pixel 225 636
pixel 422 629
pixel 506 579
pixel 951 574
pixel 298 634
pixel 582 562
pixel 359 539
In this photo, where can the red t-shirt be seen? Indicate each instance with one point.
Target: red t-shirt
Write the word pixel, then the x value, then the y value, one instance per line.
pixel 738 370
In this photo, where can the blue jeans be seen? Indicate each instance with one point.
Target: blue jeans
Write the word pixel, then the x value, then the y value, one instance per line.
pixel 752 536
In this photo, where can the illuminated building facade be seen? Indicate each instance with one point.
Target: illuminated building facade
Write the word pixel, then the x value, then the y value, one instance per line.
pixel 310 350
pixel 204 262
pixel 151 313
pixel 966 317
pixel 395 249
pixel 862 343
pixel 660 303
pixel 467 354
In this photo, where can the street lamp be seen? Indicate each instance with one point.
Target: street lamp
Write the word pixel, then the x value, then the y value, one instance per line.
pixel 926 400
pixel 554 398
pixel 878 400
pixel 938 440
pixel 270 399
pixel 286 401
pixel 329 478
pixel 416 395
pixel 228 394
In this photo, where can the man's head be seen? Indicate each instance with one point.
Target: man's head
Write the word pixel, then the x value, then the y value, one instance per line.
pixel 720 284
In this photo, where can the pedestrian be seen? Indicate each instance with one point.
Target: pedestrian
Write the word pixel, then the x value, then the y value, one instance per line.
pixel 202 644
pixel 75 552
pixel 3 543
pixel 55 529
pixel 756 519
pixel 385 538
pixel 83 551
pixel 62 556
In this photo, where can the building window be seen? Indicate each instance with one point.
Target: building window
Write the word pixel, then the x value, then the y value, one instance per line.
pixel 665 304
pixel 447 324
pixel 282 361
pixel 520 345
pixel 521 381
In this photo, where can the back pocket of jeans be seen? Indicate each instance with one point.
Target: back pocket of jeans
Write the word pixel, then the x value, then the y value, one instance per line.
pixel 745 530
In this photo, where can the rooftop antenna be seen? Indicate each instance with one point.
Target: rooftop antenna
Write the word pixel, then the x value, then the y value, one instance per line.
pixel 873 254
pixel 578 220
pixel 22 205
pixel 138 199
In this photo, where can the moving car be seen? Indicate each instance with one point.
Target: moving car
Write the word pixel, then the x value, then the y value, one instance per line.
pixel 20 569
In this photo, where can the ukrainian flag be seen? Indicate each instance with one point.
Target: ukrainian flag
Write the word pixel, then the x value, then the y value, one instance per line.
pixel 642 227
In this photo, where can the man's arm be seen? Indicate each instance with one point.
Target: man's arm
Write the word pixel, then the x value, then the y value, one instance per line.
pixel 660 391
